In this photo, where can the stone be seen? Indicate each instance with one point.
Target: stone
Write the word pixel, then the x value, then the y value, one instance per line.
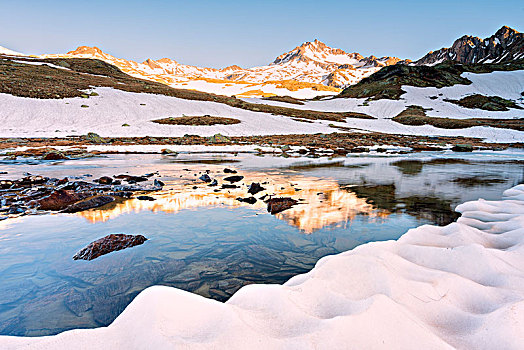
pixel 90 203
pixel 229 171
pixel 205 178
pixel 145 198
pixel 233 179
pixel 168 151
pixel 94 138
pixel 105 180
pixel 462 148
pixel 249 200
pixel 277 205
pixel 54 155
pixel 218 138
pixel 61 199
pixel 254 188
pixel 108 244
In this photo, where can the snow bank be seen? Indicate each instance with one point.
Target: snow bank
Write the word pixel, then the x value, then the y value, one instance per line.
pixel 458 286
pixel 116 113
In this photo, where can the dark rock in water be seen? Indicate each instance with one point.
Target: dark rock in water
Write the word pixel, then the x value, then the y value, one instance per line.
pixel 249 200
pixel 61 199
pixel 205 178
pixel 229 171
pixel 54 155
pixel 146 198
pixel 131 179
pixel 233 179
pixel 105 180
pixel 117 182
pixel 90 203
pixel 277 205
pixel 159 183
pixel 462 148
pixel 123 194
pixel 254 188
pixel 108 244
pixel 213 183
pixel 15 210
pixel 229 186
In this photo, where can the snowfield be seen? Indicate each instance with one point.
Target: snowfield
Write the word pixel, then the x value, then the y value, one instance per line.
pixel 108 112
pixel 458 286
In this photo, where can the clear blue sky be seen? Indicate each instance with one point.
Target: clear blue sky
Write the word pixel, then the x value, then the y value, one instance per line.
pixel 247 33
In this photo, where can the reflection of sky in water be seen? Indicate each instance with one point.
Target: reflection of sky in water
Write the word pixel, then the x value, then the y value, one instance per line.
pixel 207 242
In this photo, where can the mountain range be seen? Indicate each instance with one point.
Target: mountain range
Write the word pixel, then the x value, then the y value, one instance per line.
pixel 308 70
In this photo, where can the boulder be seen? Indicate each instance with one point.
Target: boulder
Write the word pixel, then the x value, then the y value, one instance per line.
pixel 105 180
pixel 61 199
pixel 254 188
pixel 218 138
pixel 277 205
pixel 462 148
pixel 54 155
pixel 233 179
pixel 249 200
pixel 205 178
pixel 90 203
pixel 108 244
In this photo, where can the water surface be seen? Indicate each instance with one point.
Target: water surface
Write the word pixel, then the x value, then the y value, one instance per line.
pixel 205 241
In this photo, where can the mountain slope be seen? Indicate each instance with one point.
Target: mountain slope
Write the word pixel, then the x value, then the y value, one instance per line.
pixel 505 45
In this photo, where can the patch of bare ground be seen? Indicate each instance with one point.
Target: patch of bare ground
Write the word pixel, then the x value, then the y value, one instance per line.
pixel 416 115
pixel 77 75
pixel 285 99
pixel 487 103
pixel 197 120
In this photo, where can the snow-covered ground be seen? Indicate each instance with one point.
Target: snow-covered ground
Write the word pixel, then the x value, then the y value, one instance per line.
pixel 508 85
pixel 108 112
pixel 458 286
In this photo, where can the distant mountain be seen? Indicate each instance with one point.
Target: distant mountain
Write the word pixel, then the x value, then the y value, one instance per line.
pixel 309 70
pixel 505 45
pixel 4 51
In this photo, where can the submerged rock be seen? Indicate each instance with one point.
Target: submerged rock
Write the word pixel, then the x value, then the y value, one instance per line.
pixel 108 244
pixel 277 205
pixel 90 203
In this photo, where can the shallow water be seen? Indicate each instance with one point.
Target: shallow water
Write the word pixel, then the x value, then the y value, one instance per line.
pixel 207 242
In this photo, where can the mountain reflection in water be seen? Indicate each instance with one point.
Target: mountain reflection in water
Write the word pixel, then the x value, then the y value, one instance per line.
pixel 322 202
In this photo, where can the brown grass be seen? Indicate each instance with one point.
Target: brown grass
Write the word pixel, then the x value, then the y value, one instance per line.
pixel 197 120
pixel 415 115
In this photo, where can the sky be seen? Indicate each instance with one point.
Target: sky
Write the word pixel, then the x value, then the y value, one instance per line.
pixel 247 33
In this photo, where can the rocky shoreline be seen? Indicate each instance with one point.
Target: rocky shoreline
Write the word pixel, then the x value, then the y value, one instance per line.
pixel 334 143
